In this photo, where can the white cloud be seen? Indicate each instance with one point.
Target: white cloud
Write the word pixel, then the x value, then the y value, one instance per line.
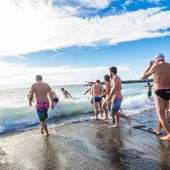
pixel 154 1
pixel 94 3
pixel 127 2
pixel 13 75
pixel 151 1
pixel 30 26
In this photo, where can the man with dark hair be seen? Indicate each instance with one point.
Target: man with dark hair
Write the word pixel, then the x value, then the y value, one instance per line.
pixel 41 91
pixel 66 94
pixel 116 96
pixel 161 71
pixel 97 90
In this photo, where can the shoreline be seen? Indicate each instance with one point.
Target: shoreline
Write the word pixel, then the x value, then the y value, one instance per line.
pixel 87 145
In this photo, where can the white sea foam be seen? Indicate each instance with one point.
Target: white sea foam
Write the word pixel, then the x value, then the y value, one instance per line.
pixel 15 113
pixel 136 104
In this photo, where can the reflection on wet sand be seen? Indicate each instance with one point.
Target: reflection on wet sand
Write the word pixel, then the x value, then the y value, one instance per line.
pixel 86 145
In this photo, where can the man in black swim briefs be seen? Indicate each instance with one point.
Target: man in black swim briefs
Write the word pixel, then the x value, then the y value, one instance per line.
pixel 161 71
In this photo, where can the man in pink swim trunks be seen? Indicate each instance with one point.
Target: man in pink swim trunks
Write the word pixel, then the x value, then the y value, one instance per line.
pixel 41 91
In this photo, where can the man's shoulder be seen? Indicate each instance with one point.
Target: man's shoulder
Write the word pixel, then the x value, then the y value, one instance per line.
pixel 116 78
pixel 94 85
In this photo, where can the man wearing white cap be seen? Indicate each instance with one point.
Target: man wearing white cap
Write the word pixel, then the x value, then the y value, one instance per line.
pixel 161 71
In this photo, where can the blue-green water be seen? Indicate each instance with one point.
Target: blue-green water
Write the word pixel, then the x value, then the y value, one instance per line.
pixel 15 113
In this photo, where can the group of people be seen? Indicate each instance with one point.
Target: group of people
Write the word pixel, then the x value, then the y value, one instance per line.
pixel 113 95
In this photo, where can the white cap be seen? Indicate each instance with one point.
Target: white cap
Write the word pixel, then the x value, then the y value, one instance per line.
pixel 159 57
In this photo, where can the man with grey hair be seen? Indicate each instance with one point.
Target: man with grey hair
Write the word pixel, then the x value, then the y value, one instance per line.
pixel 41 91
pixel 161 71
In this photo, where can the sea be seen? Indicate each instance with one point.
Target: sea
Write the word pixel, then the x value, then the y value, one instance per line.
pixel 17 115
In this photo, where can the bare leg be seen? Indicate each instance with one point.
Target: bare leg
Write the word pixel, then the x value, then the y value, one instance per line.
pixel 105 110
pixel 95 110
pixel 158 129
pixel 167 113
pixel 113 118
pixel 116 118
pixel 42 130
pixel 160 108
pixel 101 109
pixel 120 114
pixel 44 126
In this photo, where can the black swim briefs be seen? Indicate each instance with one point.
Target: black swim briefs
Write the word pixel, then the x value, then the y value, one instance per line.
pixel 163 93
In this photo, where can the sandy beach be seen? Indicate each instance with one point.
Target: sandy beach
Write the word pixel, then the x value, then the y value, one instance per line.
pixel 87 145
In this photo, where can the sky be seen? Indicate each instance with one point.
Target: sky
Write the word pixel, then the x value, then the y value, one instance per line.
pixel 73 41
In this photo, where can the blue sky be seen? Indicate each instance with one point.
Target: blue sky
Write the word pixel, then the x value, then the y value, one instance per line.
pixel 71 41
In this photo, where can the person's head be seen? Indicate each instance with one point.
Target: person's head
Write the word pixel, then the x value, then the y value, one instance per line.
pixel 62 89
pixel 106 77
pixel 159 58
pixel 148 83
pixel 38 78
pixel 97 81
pixel 113 71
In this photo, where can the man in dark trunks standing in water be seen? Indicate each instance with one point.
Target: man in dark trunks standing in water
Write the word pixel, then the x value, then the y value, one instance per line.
pixel 161 71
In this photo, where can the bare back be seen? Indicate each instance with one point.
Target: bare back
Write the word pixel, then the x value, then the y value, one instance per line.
pixel 41 91
pixel 162 76
pixel 108 88
pixel 117 86
pixel 97 90
pixel 149 87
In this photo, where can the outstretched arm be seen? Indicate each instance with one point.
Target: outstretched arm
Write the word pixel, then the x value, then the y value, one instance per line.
pixel 87 91
pixel 69 94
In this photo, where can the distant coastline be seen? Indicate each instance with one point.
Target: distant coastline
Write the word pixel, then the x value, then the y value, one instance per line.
pixel 136 81
pixel 126 81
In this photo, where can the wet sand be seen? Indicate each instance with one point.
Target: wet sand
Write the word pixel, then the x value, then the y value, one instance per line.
pixel 90 145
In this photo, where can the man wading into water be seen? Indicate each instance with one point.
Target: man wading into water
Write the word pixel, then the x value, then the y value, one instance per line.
pixel 41 91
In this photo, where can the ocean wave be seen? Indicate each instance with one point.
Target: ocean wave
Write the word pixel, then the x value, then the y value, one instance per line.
pixel 15 116
pixel 138 103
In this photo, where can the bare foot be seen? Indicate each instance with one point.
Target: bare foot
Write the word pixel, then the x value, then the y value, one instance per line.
pixel 106 118
pixel 165 138
pixel 156 131
pixel 129 120
pixel 42 131
pixel 114 126
pixel 47 135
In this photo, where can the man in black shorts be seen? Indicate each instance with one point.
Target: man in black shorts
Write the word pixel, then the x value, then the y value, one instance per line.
pixel 161 71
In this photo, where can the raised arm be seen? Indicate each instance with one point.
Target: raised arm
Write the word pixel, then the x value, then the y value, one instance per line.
pixel 149 71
